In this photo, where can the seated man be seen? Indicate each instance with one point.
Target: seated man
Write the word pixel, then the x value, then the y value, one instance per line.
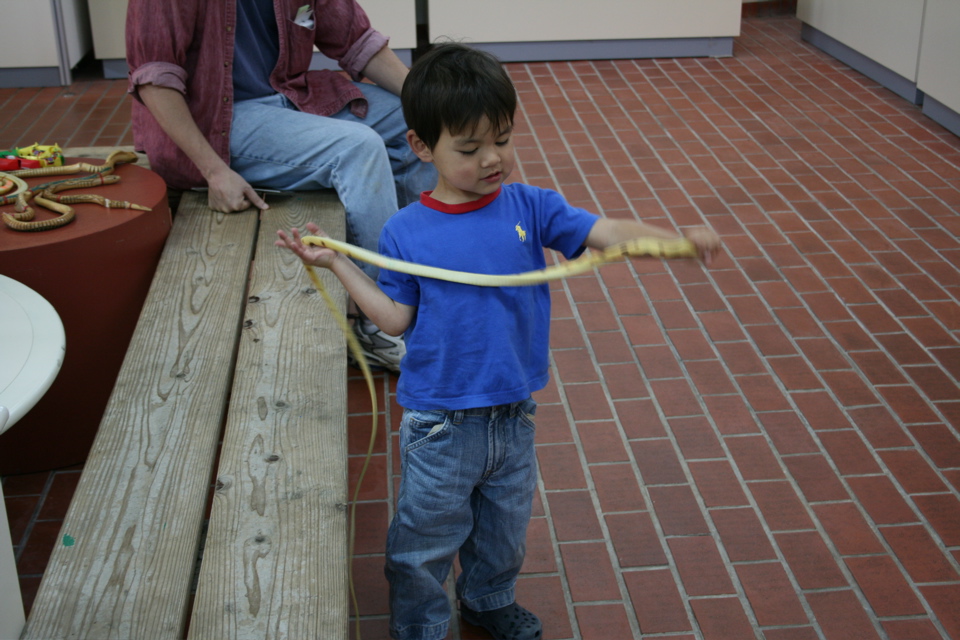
pixel 224 99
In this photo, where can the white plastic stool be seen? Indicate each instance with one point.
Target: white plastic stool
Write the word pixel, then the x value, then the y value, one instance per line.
pixel 31 352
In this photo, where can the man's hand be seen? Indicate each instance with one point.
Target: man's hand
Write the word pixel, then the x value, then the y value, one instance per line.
pixel 229 192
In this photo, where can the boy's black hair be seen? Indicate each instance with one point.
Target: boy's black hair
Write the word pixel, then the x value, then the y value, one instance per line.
pixel 453 87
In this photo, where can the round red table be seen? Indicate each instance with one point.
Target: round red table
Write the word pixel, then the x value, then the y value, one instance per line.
pixel 96 272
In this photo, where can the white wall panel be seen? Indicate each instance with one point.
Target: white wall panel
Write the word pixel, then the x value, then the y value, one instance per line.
pixel 887 31
pixel 394 18
pixel 28 36
pixel 108 19
pixel 572 20
pixel 939 74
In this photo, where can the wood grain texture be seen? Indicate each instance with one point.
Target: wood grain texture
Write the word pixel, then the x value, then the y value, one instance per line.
pixel 124 561
pixel 275 558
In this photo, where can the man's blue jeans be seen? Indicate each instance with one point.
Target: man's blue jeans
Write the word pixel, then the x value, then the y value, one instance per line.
pixel 367 160
pixel 467 485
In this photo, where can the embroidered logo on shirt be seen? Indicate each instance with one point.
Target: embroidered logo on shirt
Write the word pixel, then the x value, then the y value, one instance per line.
pixel 521 233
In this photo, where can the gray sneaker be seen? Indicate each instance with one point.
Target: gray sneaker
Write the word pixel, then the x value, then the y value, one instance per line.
pixel 382 351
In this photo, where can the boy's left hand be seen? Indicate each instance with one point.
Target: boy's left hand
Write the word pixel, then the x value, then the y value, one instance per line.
pixel 706 241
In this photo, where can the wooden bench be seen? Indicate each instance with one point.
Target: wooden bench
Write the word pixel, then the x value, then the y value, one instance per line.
pixel 232 343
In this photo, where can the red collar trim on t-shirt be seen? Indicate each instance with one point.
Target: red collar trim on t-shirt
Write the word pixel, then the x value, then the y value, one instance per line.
pixel 465 207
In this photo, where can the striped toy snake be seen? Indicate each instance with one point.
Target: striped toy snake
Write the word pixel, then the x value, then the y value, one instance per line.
pixel 636 247
pixel 45 195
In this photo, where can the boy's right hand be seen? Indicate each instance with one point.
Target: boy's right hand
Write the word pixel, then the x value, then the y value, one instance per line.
pixel 309 254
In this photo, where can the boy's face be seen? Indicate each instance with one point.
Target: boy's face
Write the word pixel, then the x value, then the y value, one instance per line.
pixel 470 164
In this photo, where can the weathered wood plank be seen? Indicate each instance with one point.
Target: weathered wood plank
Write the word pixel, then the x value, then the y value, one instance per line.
pixel 274 564
pixel 124 561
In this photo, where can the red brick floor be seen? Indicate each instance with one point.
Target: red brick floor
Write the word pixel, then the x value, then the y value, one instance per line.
pixel 766 449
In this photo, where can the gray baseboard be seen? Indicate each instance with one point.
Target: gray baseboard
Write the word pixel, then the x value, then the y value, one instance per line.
pixel 608 49
pixel 906 89
pixel 542 51
pixel 941 114
pixel 30 77
pixel 115 69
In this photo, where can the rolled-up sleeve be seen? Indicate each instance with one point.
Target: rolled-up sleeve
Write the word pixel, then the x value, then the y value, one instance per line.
pixel 158 36
pixel 161 74
pixel 357 57
pixel 344 34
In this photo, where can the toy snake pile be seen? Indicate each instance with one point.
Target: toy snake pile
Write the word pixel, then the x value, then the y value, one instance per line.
pixel 13 190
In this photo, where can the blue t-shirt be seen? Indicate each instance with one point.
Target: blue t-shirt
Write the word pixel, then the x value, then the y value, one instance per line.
pixel 256 49
pixel 471 346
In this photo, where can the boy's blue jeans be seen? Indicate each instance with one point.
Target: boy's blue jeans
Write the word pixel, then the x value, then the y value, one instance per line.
pixel 367 160
pixel 467 484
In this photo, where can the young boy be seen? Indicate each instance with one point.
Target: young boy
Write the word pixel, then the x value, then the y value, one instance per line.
pixel 474 354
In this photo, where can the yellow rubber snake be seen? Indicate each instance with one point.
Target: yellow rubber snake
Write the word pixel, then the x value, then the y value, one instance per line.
pixel 45 194
pixel 637 247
